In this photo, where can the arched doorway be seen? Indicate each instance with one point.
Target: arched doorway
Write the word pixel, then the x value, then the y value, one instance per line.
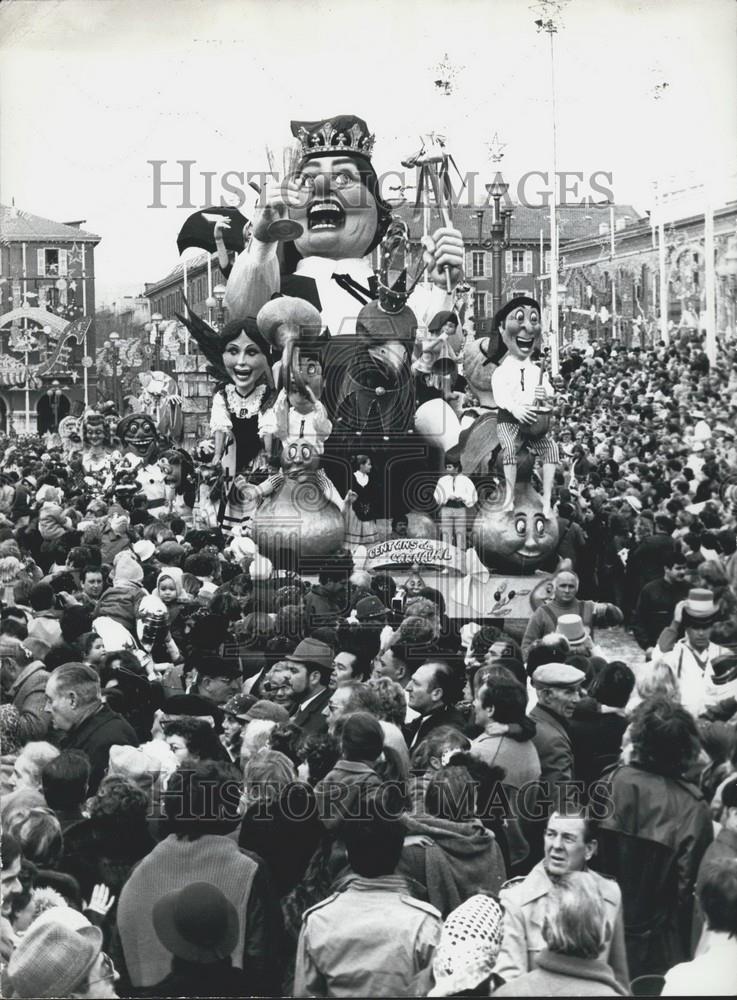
pixel 47 416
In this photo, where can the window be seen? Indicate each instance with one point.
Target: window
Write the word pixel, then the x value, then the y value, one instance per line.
pixel 518 261
pixel 546 263
pixel 478 259
pixel 480 300
pixel 52 262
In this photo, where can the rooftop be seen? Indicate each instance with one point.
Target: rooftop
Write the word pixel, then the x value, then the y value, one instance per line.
pixel 19 226
pixel 574 221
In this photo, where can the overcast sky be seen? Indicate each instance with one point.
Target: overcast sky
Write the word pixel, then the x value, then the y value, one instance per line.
pixel 90 90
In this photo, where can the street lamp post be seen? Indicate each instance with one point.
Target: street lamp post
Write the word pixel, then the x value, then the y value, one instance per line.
pixel 500 230
pixel 219 294
pixel 570 302
pixel 210 304
pixel 155 339
pixel 117 393
pixel 55 394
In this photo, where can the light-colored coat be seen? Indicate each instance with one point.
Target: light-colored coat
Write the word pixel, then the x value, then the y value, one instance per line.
pixel 525 901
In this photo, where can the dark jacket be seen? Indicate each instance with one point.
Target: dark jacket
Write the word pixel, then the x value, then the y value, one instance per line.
pixel 340 790
pixel 646 562
pixel 420 728
pixel 554 748
pixel 28 695
pixel 121 604
pixel 95 851
pixel 652 844
pixel 285 833
pixel 323 609
pixel 197 979
pixel 95 735
pixel 597 744
pixel 654 609
pixel 311 719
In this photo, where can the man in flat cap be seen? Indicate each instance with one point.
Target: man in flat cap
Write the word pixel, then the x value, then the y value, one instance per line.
pixel 558 692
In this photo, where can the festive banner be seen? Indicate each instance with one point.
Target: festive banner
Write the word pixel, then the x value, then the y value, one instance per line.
pixel 407 551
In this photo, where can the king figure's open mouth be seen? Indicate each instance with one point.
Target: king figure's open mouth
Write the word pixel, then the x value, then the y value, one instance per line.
pixel 327 214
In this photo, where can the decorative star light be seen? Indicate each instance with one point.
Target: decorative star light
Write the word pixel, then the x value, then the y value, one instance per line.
pixel 76 254
pixel 496 148
pixel 444 75
pixel 549 15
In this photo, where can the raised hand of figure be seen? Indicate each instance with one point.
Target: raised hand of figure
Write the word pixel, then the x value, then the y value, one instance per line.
pixel 273 205
pixel 444 247
pixel 101 900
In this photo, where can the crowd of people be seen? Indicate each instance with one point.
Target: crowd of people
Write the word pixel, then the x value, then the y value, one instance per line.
pixel 222 778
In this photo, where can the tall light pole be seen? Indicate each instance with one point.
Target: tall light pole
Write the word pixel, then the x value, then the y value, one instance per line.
pixel 500 227
pixel 549 19
pixel 155 340
pixel 117 393
pixel 55 394
pixel 219 294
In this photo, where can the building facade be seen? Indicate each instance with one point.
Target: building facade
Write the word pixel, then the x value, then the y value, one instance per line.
pixel 47 308
pixel 526 260
pixel 610 289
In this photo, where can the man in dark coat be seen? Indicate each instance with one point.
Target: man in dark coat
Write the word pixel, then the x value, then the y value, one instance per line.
pixel 655 835
pixel 310 669
pixel 658 599
pixel 558 691
pixel 433 690
pixel 599 723
pixel 83 720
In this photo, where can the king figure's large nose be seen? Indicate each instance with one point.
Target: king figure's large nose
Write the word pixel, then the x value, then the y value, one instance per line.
pixel 322 186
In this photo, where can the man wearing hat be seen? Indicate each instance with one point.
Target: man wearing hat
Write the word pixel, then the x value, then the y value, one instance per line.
pixel 218 679
pixel 310 669
pixel 520 388
pixel 692 656
pixel 60 957
pixel 558 688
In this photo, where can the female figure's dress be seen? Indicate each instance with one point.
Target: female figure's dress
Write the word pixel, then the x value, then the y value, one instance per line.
pixel 241 417
pixel 360 524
